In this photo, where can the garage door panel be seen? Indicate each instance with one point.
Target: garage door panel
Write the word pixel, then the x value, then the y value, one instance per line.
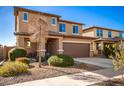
pixel 76 49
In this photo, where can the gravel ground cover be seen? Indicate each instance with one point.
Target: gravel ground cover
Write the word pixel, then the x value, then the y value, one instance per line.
pixel 36 73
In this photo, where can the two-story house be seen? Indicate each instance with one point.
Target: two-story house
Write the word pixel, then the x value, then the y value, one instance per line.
pixel 104 35
pixel 38 31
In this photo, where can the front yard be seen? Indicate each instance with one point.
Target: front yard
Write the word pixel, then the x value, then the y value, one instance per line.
pixel 46 71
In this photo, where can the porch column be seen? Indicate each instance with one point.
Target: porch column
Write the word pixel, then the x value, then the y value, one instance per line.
pixel 121 41
pixel 91 49
pixel 94 48
pixel 102 45
pixel 60 46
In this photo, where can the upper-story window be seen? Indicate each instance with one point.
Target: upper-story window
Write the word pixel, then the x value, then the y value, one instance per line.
pixel 109 34
pixel 75 29
pixel 53 21
pixel 99 33
pixel 62 27
pixel 25 16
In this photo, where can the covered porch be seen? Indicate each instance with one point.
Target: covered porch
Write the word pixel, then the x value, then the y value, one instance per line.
pixel 49 45
pixel 99 44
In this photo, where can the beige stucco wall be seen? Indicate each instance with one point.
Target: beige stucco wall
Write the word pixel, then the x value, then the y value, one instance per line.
pixel 76 40
pixel 89 34
pixel 114 33
pixel 22 42
pixel 25 26
pixel 19 41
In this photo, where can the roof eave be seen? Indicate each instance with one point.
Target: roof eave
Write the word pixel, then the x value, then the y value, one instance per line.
pixel 34 11
pixel 22 34
pixel 62 20
pixel 101 28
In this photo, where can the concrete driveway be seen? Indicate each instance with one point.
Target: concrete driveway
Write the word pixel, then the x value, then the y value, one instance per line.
pixel 102 62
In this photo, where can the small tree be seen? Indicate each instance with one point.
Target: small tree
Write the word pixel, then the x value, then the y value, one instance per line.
pixel 39 27
pixel 118 59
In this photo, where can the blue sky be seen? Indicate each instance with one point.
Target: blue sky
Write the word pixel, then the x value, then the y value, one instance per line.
pixel 111 17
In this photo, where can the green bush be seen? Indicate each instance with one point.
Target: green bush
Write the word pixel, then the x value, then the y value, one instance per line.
pixel 16 53
pixel 13 68
pixel 61 60
pixel 23 60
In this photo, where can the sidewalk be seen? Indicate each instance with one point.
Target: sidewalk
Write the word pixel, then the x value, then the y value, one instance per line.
pixel 79 79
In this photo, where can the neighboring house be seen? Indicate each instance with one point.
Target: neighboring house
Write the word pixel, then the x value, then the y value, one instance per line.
pixel 104 35
pixel 48 33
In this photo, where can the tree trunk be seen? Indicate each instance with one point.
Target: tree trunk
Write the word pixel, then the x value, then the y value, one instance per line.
pixel 39 59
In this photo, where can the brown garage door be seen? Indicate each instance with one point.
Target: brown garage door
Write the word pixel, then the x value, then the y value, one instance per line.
pixel 77 49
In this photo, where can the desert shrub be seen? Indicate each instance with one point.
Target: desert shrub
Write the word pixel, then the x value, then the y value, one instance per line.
pixel 118 59
pixel 16 53
pixel 23 60
pixel 13 68
pixel 109 50
pixel 61 60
